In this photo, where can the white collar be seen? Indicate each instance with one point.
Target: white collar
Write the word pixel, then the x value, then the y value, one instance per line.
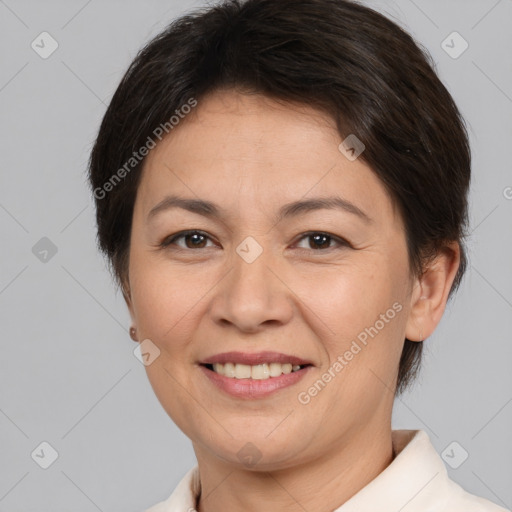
pixel 415 481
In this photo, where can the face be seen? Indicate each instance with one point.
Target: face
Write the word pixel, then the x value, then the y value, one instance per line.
pixel 257 264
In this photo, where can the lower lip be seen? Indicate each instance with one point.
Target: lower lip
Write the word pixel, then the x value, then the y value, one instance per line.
pixel 254 388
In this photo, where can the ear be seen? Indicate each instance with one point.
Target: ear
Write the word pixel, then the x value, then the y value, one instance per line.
pixel 430 293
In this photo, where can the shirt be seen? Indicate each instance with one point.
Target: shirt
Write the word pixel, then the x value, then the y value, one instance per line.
pixel 415 481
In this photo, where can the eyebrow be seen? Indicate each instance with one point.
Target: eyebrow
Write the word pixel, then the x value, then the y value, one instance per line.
pixel 293 209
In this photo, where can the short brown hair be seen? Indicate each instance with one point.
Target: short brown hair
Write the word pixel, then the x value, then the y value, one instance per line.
pixel 347 60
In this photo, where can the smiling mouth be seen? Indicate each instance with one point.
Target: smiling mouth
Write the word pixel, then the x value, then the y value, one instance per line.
pixel 254 372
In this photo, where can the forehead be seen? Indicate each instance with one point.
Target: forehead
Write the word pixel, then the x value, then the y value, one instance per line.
pixel 255 151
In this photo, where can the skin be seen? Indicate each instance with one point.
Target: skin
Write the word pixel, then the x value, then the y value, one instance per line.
pixel 250 155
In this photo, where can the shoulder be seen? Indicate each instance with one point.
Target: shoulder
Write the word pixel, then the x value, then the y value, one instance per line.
pixel 184 496
pixel 419 466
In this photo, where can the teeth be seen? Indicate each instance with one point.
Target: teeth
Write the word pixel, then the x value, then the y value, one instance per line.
pixel 256 372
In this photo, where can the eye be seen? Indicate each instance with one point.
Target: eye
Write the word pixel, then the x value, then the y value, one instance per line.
pixel 318 240
pixel 193 240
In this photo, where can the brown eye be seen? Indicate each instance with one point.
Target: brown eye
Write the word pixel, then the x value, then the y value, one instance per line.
pixel 319 240
pixel 193 240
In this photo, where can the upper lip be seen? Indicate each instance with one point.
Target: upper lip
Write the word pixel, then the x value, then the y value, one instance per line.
pixel 254 359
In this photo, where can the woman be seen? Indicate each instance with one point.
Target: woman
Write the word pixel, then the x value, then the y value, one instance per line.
pixel 281 191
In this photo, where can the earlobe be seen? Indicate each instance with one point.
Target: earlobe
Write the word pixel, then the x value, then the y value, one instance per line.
pixel 133 333
pixel 430 295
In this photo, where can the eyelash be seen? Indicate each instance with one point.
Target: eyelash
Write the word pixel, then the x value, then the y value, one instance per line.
pixel 167 242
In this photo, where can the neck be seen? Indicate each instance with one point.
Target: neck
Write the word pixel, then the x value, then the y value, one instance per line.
pixel 324 483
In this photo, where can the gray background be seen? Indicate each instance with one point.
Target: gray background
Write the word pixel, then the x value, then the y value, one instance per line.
pixel 68 375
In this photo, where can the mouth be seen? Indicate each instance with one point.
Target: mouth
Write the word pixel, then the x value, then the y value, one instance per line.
pixel 254 375
pixel 258 366
pixel 256 372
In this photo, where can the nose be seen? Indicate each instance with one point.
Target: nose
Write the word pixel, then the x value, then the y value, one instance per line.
pixel 252 296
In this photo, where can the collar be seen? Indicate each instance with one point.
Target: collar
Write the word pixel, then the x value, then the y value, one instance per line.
pixel 415 481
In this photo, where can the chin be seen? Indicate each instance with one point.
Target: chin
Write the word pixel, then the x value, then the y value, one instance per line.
pixel 258 451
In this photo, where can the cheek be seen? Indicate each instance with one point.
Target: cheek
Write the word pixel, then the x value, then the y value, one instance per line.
pixel 346 297
pixel 359 310
pixel 165 300
pixel 166 306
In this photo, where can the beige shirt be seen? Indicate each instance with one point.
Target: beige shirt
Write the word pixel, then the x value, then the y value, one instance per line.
pixel 415 481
